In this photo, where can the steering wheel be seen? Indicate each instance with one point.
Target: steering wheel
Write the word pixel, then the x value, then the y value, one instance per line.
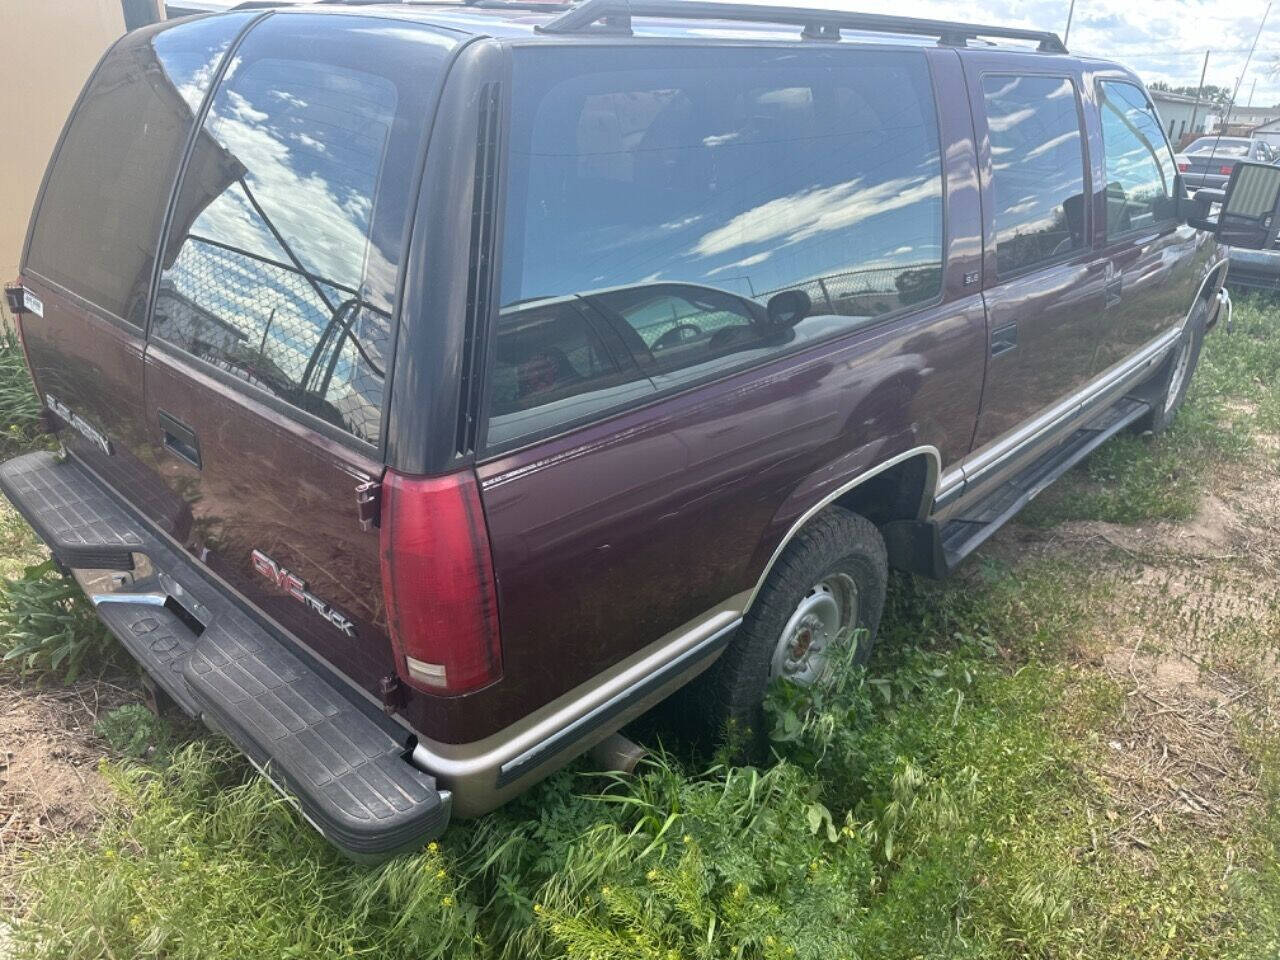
pixel 678 334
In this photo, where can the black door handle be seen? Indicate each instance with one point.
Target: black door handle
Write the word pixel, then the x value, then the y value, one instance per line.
pixel 179 439
pixel 1004 339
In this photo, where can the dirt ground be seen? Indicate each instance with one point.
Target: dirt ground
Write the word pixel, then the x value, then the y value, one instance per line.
pixel 1192 639
pixel 49 754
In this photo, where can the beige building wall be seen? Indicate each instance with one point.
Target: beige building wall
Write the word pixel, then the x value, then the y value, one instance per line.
pixel 52 46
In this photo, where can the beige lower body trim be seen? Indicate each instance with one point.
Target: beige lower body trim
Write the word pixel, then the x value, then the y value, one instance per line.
pixel 471 770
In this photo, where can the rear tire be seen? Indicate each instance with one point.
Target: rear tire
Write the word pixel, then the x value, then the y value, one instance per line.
pixel 830 581
pixel 1175 378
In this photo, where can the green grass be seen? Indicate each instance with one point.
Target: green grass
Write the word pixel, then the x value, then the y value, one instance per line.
pixel 941 803
pixel 48 628
pixel 949 800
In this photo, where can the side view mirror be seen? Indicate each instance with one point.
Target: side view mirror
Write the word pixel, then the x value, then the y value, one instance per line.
pixel 1198 210
pixel 1250 211
pixel 788 308
pixel 1251 206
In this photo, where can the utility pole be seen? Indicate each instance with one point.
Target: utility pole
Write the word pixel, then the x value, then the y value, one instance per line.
pixel 1066 34
pixel 1252 86
pixel 1199 91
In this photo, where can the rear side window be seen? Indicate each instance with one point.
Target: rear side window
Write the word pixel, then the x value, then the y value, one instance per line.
pixel 281 265
pixel 1140 169
pixel 705 210
pixel 1037 161
pixel 99 220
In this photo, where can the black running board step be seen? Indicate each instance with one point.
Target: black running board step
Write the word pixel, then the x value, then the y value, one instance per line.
pixel 965 533
pixel 351 777
pixel 332 752
pixel 72 513
pixel 154 636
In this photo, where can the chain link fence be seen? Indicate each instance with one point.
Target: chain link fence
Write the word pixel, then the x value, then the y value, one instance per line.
pixel 311 342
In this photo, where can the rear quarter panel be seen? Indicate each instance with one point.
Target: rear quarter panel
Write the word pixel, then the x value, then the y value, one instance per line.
pixel 606 538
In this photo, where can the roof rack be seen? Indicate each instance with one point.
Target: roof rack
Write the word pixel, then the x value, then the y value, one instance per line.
pixel 615 15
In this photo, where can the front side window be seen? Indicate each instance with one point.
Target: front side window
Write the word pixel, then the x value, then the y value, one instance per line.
pixel 281 265
pixel 1037 162
pixel 706 210
pixel 99 220
pixel 1140 170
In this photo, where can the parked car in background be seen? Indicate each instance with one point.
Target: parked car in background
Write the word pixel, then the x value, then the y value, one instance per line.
pixel 1208 162
pixel 444 386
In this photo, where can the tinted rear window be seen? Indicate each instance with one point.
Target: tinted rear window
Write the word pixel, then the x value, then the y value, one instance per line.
pixel 1220 148
pixel 281 265
pixel 670 196
pixel 99 220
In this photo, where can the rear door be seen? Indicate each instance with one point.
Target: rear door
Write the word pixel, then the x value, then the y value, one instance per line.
pixel 272 322
pixel 1043 283
pixel 1152 259
pixel 94 233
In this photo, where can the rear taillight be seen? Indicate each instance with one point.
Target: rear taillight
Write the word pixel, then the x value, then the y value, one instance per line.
pixel 1225 170
pixel 437 575
pixel 1183 167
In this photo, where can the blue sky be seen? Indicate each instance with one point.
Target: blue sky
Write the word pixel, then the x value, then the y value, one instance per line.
pixel 1160 39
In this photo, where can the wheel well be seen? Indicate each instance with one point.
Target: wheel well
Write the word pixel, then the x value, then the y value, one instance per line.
pixel 1209 287
pixel 893 494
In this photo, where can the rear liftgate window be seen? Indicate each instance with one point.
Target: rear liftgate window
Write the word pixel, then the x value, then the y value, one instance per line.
pixel 96 229
pixel 281 264
pixel 674 215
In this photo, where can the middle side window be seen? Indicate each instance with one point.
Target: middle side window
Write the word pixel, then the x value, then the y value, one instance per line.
pixel 1037 160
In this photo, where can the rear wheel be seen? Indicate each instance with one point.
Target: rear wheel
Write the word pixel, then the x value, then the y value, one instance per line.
pixel 826 590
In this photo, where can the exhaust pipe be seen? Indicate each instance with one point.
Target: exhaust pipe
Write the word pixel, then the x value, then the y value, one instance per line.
pixel 617 754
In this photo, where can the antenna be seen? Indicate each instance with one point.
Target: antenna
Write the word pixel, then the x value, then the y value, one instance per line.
pixel 1236 92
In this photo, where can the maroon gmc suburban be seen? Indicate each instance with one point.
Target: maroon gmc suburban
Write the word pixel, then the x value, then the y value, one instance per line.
pixel 444 385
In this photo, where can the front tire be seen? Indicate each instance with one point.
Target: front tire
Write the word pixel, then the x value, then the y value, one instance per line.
pixel 1176 376
pixel 828 585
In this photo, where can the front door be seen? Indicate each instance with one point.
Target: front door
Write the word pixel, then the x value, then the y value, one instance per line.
pixel 1044 287
pixel 1153 260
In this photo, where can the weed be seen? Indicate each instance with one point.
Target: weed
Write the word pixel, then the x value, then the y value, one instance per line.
pixel 47 627
pixel 19 407
pixel 134 731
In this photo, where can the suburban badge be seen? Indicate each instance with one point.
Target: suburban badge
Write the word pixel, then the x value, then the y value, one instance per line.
pixel 78 423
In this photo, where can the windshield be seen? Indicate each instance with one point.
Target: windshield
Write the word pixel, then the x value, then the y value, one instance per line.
pixel 1225 148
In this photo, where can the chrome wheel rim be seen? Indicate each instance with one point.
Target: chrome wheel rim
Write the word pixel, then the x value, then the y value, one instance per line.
pixel 804 649
pixel 1179 375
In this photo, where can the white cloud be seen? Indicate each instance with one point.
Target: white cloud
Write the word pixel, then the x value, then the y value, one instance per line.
pixel 751 261
pixel 800 216
pixel 1157 39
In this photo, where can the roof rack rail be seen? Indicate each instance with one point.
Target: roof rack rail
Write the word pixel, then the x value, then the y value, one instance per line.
pixel 818 24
